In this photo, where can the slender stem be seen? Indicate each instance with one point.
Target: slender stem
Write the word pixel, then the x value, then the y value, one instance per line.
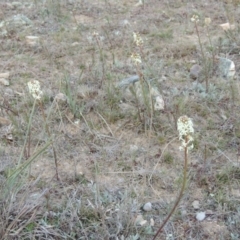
pixel 27 133
pixel 199 41
pixel 101 58
pixel 49 135
pixel 180 194
pixel 212 49
pixel 204 58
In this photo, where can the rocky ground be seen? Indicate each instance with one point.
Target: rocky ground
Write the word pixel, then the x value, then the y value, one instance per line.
pixel 115 77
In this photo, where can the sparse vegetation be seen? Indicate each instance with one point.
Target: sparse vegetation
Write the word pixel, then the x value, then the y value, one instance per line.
pixel 115 77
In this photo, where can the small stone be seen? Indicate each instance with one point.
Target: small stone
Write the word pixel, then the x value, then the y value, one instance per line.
pixel 159 103
pixel 4 82
pixel 140 221
pixel 32 40
pixel 152 222
pixel 133 148
pixel 5 75
pixel 125 23
pixel 227 26
pixel 200 216
pixel 196 204
pixel 75 44
pixel 147 207
pixel 226 68
pixel 60 97
pixel 184 213
pixel 195 71
pixel 140 3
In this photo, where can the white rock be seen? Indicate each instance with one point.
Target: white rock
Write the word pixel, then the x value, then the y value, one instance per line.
pixel 4 82
pixel 140 221
pixel 152 222
pixel 159 103
pixel 200 216
pixel 125 23
pixel 140 3
pixel 196 204
pixel 133 148
pixel 231 71
pixel 226 67
pixel 32 40
pixel 134 82
pixel 4 75
pixel 147 207
pixel 75 44
pixel 227 26
pixel 60 97
pixel 169 237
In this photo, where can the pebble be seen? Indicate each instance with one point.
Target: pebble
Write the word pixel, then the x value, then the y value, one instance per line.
pixel 147 207
pixel 140 220
pixel 75 44
pixel 226 68
pixel 133 148
pixel 152 222
pixel 227 26
pixel 61 97
pixel 200 216
pixel 4 82
pixel 196 204
pixel 195 71
pixel 32 40
pixel 4 75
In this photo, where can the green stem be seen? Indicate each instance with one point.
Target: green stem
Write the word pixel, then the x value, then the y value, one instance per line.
pixel 49 135
pixel 27 133
pixel 180 194
pixel 204 58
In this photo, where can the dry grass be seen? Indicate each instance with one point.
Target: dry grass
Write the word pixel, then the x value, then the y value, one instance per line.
pixel 114 152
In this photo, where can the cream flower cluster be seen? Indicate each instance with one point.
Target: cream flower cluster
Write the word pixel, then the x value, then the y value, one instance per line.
pixel 195 18
pixel 35 89
pixel 137 39
pixel 136 58
pixel 207 21
pixel 186 130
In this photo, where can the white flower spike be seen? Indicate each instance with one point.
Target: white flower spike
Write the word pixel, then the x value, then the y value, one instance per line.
pixel 137 39
pixel 195 18
pixel 186 130
pixel 35 89
pixel 136 58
